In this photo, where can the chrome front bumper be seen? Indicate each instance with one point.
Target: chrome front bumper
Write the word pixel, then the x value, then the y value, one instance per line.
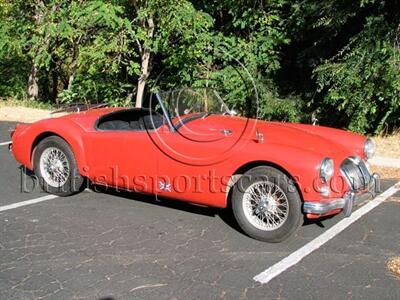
pixel 346 203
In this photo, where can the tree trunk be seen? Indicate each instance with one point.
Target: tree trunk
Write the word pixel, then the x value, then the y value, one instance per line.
pixel 71 80
pixel 54 92
pixel 33 87
pixel 54 81
pixel 144 69
pixel 144 74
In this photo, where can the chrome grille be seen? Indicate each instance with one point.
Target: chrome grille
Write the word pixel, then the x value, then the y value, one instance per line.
pixel 356 173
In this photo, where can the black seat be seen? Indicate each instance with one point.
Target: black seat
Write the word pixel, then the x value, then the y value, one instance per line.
pixel 131 119
pixel 152 121
pixel 114 125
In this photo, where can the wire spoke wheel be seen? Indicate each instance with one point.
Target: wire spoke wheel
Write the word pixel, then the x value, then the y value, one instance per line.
pixel 54 166
pixel 265 205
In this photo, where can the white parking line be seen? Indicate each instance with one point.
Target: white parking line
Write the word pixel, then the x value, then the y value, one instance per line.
pixel 5 143
pixel 27 202
pixel 299 254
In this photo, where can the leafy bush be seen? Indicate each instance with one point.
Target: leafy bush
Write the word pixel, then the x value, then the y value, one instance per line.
pixel 97 88
pixel 13 79
pixel 285 110
pixel 361 85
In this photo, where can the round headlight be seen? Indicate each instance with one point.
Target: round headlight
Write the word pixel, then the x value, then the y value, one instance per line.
pixel 326 169
pixel 369 148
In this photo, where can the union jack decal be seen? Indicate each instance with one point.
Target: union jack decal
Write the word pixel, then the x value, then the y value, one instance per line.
pixel 164 186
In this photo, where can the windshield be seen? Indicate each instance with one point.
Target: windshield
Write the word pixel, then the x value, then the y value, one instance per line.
pixel 189 102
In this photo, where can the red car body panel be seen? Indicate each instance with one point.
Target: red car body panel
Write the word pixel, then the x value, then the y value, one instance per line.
pixel 148 160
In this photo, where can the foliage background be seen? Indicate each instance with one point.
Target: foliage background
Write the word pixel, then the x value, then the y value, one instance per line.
pixel 337 59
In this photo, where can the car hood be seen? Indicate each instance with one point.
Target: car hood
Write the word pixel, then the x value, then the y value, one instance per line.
pixel 318 139
pixel 324 140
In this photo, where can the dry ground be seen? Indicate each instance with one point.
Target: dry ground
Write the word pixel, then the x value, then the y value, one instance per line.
pixel 394 265
pixel 388 146
pixel 387 173
pixel 22 114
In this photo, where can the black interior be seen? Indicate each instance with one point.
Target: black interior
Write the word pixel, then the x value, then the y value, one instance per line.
pixel 135 119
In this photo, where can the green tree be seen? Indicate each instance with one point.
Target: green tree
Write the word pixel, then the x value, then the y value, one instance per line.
pixel 246 42
pixel 172 31
pixel 343 61
pixel 14 28
pixel 336 58
pixel 76 38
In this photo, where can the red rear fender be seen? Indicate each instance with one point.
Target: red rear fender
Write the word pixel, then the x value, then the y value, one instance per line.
pixel 26 138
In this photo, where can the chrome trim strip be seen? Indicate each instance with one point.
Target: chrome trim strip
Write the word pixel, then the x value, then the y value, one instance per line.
pixel 321 208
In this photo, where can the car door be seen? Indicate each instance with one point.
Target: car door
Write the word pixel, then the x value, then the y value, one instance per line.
pixel 125 159
pixel 192 165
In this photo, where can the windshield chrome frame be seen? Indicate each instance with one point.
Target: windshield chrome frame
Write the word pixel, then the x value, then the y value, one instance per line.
pixel 165 112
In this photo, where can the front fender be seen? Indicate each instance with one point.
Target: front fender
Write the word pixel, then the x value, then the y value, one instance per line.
pixel 300 165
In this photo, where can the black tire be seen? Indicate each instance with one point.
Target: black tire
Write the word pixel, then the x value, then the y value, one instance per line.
pixel 271 177
pixel 73 182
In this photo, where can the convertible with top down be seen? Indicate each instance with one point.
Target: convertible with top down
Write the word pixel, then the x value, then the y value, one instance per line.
pixel 190 146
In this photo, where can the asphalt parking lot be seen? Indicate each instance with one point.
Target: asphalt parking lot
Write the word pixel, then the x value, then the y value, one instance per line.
pixel 122 246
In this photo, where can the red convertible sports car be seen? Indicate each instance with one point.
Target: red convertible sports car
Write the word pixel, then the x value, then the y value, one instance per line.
pixel 191 147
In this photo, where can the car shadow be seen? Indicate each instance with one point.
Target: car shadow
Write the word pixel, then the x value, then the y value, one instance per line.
pixel 26 171
pixel 225 215
pixel 159 201
pixel 318 222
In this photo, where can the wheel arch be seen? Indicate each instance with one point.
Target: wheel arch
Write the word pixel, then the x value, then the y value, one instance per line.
pixel 74 144
pixel 258 163
pixel 40 138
